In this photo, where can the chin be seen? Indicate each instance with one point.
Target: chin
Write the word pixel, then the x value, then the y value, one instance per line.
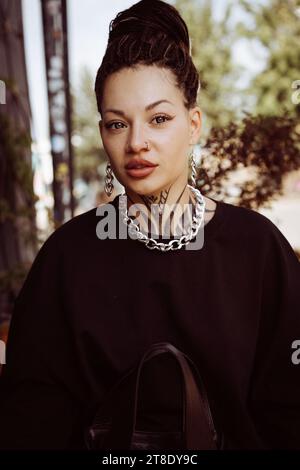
pixel 147 189
pixel 145 186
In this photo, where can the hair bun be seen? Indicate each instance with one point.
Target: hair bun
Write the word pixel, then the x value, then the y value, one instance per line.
pixel 149 17
pixel 151 33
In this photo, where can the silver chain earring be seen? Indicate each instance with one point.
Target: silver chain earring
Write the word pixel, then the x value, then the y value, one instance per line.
pixel 193 168
pixel 108 187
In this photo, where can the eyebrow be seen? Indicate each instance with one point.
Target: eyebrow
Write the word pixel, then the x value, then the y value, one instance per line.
pixel 147 108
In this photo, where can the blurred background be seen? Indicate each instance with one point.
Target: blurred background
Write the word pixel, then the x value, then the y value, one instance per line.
pixel 52 162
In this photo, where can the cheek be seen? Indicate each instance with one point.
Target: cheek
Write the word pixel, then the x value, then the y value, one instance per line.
pixel 113 148
pixel 178 145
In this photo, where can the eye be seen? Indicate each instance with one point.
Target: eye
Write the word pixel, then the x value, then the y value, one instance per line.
pixel 109 126
pixel 160 116
pixel 166 118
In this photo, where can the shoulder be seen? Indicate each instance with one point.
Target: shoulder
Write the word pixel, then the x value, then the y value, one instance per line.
pixel 80 230
pixel 254 230
pixel 238 216
pixel 243 220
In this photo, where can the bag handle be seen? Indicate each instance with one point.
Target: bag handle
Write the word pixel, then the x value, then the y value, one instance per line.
pixel 198 428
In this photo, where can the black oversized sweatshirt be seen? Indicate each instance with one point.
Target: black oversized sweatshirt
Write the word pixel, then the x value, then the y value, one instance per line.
pixel 90 307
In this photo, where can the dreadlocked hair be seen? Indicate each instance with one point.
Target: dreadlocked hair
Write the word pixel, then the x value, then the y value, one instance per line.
pixel 151 32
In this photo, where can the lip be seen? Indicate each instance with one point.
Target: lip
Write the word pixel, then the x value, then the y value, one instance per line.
pixel 139 162
pixel 141 172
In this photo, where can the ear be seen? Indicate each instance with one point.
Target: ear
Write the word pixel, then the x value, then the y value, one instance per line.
pixel 195 124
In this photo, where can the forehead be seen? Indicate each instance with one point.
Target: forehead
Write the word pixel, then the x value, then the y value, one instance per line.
pixel 137 87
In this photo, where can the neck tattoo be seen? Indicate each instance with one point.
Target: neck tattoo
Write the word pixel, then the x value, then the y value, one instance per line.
pixel 161 201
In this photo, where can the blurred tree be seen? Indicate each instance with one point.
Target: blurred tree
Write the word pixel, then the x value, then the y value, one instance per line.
pixel 18 234
pixel 245 158
pixel 276 26
pixel 86 139
pixel 211 51
pixel 267 147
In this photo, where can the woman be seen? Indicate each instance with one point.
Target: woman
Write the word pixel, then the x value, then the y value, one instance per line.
pixel 93 302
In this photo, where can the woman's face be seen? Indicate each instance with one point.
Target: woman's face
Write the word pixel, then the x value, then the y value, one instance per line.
pixel 130 118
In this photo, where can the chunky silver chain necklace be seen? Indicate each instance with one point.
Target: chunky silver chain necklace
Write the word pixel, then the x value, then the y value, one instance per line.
pixel 175 244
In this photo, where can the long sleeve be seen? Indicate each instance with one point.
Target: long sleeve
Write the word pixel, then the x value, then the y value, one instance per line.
pixel 275 391
pixel 39 406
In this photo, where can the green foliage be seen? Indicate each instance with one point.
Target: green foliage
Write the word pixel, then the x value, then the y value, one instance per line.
pixel 86 137
pixel 18 174
pixel 211 51
pixel 268 146
pixel 14 145
pixel 277 30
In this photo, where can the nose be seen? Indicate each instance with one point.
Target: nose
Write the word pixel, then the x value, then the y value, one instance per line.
pixel 137 141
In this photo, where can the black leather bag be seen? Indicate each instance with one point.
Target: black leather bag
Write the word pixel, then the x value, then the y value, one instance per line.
pixel 114 426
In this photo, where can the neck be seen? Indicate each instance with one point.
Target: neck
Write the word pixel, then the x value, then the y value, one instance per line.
pixel 166 212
